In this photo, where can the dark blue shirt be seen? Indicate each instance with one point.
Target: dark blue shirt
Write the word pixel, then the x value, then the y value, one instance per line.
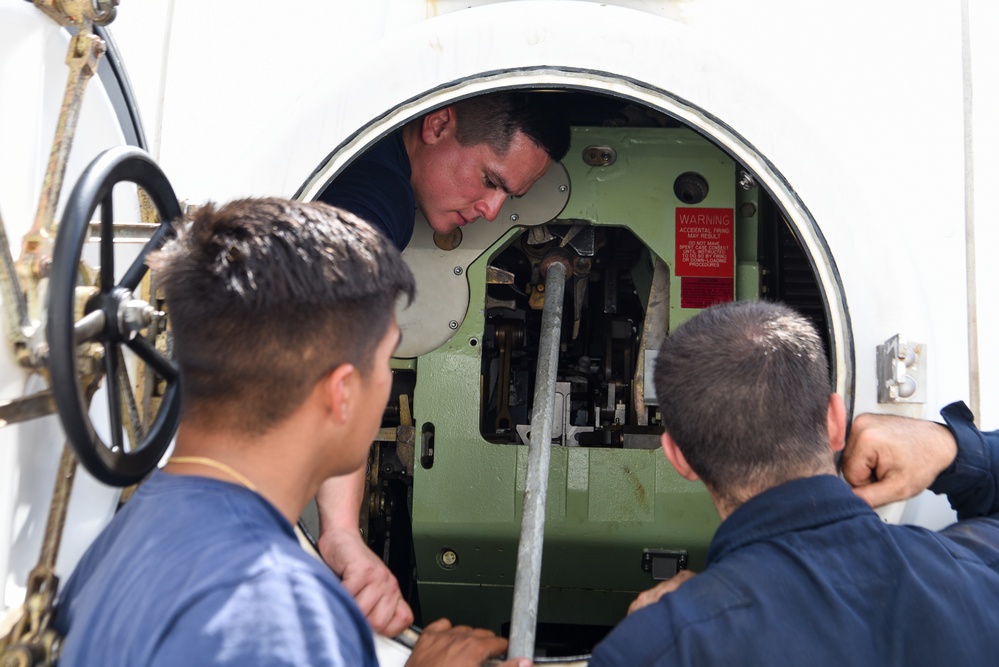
pixel 376 188
pixel 196 571
pixel 807 574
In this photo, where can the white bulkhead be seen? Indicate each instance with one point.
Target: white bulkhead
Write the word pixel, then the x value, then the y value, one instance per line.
pixel 869 123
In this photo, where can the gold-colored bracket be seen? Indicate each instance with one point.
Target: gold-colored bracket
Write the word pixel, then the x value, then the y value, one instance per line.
pixel 83 56
pixel 72 12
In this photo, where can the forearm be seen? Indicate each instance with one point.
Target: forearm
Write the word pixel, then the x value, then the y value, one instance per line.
pixel 364 575
pixel 971 482
pixel 339 502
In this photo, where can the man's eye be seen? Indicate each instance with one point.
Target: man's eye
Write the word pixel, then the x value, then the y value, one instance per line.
pixel 489 183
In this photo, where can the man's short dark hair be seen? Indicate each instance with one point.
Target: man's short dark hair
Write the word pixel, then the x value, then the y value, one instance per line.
pixel 265 297
pixel 495 118
pixel 744 391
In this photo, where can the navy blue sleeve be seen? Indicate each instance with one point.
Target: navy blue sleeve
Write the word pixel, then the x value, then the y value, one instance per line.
pixel 971 481
pixel 376 188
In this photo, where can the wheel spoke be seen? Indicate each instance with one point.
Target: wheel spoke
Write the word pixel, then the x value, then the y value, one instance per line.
pixel 107 244
pixel 149 354
pixel 132 424
pixel 138 269
pixel 114 391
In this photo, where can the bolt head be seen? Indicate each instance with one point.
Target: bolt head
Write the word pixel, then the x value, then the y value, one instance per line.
pixel 449 558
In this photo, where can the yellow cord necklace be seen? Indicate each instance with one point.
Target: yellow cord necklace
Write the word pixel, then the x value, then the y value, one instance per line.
pixel 218 465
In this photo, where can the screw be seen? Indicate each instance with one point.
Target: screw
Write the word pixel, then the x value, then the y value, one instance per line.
pixel 449 558
pixel 457 270
pixel 453 324
pixel 746 180
pixel 563 188
pixel 514 217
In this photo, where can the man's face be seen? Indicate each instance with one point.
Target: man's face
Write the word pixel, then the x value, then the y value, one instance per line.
pixel 456 185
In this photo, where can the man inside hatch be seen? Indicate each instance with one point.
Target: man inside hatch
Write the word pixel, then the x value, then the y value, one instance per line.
pixel 455 164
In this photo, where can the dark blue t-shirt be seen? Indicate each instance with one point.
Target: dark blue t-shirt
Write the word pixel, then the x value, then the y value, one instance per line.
pixel 198 571
pixel 376 188
pixel 807 574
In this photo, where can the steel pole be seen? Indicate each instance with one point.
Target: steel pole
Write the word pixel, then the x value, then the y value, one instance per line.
pixel 532 527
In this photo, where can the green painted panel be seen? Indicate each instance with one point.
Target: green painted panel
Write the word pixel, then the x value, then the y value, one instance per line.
pixel 605 505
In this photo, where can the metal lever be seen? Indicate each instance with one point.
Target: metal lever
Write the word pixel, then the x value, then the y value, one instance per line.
pixel 527 584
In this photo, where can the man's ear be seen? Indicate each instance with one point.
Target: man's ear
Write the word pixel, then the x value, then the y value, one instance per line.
pixel 836 422
pixel 437 124
pixel 339 391
pixel 677 458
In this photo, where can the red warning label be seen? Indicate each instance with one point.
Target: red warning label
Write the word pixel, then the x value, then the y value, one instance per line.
pixel 704 242
pixel 704 292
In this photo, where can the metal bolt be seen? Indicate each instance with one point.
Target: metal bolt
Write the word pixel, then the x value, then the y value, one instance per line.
pixel 449 558
pixel 457 270
pixel 514 217
pixel 746 180
pixel 563 188
pixel 453 324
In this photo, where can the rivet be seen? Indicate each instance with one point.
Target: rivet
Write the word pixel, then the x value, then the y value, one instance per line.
pixel 448 559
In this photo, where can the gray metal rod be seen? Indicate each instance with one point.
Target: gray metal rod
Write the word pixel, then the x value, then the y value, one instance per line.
pixel 527 585
pixel 89 326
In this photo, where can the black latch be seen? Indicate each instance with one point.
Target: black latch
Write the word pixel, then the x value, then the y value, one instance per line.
pixel 663 563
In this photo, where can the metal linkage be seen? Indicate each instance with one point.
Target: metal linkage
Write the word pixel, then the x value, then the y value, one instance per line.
pixel 72 12
pixel 15 305
pixel 32 642
pixel 85 51
pixel 532 528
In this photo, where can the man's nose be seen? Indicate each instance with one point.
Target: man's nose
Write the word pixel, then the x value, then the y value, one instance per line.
pixel 489 206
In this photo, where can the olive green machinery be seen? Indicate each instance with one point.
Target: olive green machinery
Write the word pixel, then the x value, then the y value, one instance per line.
pixel 651 224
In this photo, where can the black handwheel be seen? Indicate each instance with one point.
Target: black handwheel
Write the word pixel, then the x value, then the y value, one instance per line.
pixel 113 317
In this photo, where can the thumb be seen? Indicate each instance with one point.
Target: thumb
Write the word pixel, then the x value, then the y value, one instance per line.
pixel 858 470
pixel 878 493
pixel 440 625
